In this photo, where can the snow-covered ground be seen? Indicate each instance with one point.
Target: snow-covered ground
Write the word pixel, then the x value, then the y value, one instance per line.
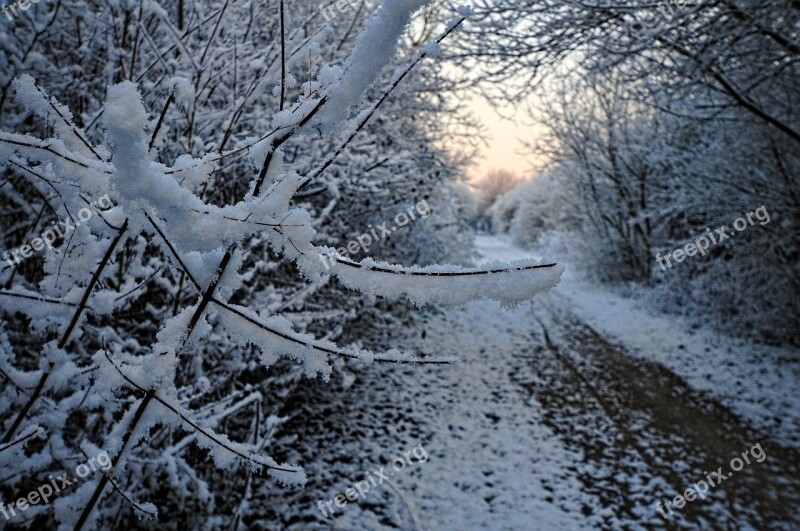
pixel 759 382
pixel 546 423
pixel 493 461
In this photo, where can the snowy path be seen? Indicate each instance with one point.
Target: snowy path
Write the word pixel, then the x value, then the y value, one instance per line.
pixel 544 425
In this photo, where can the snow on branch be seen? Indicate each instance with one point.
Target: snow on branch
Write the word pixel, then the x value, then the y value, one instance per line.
pixel 282 339
pixel 446 284
pixel 373 50
pixel 285 341
pixel 223 450
pixel 45 151
pixel 58 116
pixel 364 116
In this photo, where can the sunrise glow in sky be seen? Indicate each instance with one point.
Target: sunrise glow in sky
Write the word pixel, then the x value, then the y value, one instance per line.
pixel 504 137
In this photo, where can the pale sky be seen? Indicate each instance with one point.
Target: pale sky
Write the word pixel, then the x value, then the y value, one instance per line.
pixel 503 136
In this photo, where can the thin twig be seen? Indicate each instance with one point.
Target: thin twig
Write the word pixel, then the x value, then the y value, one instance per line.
pixel 160 121
pixel 320 348
pixel 20 440
pixel 101 485
pixel 283 59
pixel 349 263
pixel 174 253
pixel 49 300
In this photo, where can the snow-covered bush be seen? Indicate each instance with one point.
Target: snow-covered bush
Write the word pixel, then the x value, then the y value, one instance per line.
pixel 502 212
pixel 535 209
pixel 238 144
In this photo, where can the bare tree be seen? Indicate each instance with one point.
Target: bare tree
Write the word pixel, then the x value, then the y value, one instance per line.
pixel 493 185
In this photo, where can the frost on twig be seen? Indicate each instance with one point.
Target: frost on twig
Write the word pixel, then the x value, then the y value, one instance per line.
pixel 450 285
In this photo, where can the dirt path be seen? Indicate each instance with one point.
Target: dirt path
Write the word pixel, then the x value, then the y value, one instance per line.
pixel 652 436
